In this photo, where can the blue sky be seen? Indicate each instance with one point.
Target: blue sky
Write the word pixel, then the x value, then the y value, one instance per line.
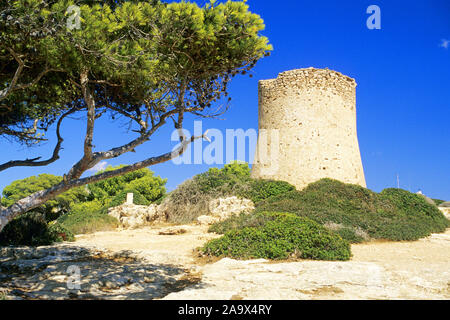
pixel 403 93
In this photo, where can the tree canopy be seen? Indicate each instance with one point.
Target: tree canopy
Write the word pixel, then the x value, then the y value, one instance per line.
pixel 147 62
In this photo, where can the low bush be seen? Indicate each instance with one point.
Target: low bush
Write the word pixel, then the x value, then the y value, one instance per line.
pixel 241 221
pixel 352 235
pixel 394 214
pixel 88 217
pixel 92 216
pixel 280 236
pixel 59 233
pixel 264 189
pixel 258 219
pixel 191 199
pixel 31 229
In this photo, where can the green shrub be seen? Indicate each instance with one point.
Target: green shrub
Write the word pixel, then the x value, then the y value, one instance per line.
pixel 88 217
pixel 281 236
pixel 224 180
pixel 264 189
pixel 150 187
pixel 393 214
pixel 350 234
pixel 31 229
pixel 89 206
pixel 59 233
pixel 241 221
pixel 257 219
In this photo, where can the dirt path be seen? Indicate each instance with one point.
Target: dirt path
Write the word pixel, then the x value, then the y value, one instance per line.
pixel 378 270
pixel 162 263
pixel 177 248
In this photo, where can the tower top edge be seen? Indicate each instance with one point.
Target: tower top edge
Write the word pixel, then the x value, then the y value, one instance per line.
pixel 310 73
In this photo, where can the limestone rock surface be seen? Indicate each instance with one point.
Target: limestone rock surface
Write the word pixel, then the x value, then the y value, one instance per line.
pixel 133 216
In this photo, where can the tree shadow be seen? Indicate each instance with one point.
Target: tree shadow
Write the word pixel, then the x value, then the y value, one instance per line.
pixel 72 272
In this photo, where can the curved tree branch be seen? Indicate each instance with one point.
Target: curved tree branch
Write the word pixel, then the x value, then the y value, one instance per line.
pixel 34 162
pixel 40 197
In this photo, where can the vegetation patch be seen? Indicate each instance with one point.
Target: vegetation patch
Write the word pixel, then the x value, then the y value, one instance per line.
pixel 88 217
pixel 53 208
pixel 191 199
pixel 31 229
pixel 393 214
pixel 146 187
pixel 78 211
pixel 280 236
pixel 438 202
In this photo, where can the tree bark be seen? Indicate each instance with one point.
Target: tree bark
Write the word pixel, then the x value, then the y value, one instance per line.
pixel 85 162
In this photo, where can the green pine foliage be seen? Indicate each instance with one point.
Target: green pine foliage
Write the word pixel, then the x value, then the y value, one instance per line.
pixel 80 210
pixel 52 209
pixel 137 55
pixel 92 216
pixel 145 48
pixel 141 182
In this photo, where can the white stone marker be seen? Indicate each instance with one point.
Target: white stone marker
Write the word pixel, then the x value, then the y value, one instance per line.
pixel 129 198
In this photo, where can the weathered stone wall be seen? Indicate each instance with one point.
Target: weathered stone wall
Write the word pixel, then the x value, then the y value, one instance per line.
pixel 314 111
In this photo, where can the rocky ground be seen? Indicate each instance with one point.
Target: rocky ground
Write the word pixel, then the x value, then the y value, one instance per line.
pixel 162 263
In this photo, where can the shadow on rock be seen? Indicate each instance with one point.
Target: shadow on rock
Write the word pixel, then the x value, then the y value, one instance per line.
pixel 71 272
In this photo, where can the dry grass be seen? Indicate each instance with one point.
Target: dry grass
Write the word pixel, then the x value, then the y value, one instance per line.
pixel 188 202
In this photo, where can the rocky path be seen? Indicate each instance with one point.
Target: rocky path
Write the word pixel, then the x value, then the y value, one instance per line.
pixel 161 263
pixel 379 270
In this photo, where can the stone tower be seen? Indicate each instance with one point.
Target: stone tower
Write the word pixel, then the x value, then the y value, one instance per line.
pixel 307 128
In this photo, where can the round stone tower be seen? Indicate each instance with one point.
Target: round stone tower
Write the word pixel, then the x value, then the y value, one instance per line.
pixel 307 128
